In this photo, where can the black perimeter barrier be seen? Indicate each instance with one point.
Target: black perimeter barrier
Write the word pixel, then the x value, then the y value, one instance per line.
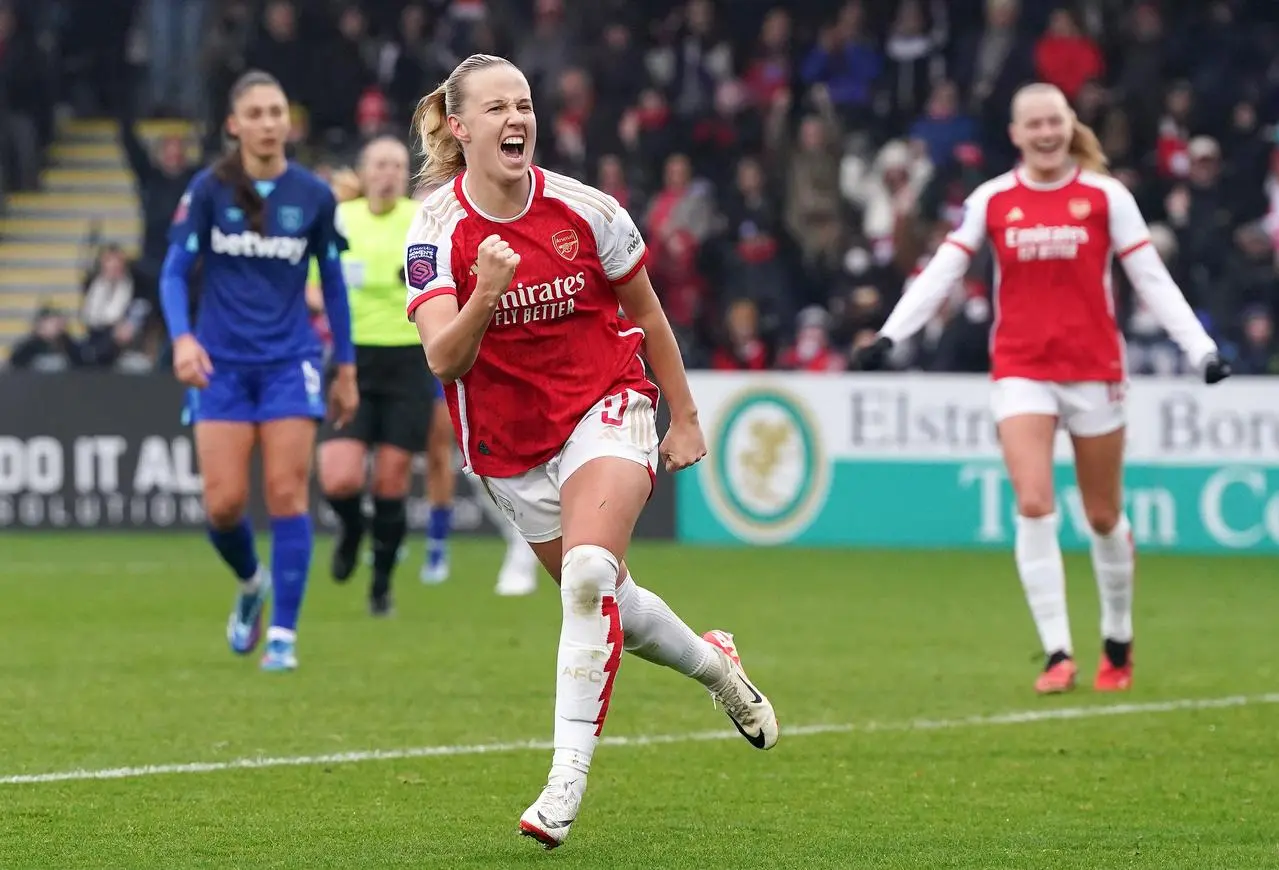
pixel 106 451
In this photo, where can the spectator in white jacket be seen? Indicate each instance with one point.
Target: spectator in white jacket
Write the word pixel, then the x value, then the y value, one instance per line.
pixel 885 191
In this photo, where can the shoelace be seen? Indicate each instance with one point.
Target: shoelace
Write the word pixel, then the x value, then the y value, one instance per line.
pixel 733 702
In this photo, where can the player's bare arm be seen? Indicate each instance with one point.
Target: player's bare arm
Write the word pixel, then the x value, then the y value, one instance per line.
pixel 451 337
pixel 684 443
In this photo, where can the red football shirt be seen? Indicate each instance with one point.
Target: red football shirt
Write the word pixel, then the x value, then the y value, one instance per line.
pixel 1054 310
pixel 557 343
pixel 1053 245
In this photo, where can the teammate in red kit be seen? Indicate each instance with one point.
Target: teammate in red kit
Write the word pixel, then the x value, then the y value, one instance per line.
pixel 1057 357
pixel 516 276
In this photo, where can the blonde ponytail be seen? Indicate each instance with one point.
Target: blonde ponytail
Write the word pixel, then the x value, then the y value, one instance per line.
pixel 442 153
pixel 1086 149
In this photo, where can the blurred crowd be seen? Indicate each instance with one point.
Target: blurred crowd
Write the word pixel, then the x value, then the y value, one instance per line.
pixel 792 165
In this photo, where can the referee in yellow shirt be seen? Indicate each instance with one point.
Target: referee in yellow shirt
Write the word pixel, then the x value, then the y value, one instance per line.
pixel 397 390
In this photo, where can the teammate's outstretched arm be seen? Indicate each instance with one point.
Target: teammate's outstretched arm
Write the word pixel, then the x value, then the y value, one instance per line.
pixel 684 443
pixel 451 337
pixel 1149 276
pixel 921 301
pixel 925 295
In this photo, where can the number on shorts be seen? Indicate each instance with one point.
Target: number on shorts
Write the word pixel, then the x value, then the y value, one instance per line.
pixel 1115 393
pixel 615 408
pixel 311 378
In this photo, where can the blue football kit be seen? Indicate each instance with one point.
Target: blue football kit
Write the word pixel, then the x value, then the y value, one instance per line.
pixel 252 321
pixel 252 317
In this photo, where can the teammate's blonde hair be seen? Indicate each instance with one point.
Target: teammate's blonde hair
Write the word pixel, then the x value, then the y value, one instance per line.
pixel 443 153
pixel 1084 148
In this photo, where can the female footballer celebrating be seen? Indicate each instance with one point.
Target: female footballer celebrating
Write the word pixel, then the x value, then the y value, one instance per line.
pixel 516 277
pixel 1056 224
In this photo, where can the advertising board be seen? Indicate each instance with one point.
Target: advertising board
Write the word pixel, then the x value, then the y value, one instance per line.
pixel 106 451
pixel 888 460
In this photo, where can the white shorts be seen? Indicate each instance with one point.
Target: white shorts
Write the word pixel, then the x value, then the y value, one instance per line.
pixel 623 425
pixel 1084 408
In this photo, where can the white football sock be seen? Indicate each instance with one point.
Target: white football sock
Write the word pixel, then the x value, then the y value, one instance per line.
pixel 589 654
pixel 1043 576
pixel 1113 561
pixel 654 633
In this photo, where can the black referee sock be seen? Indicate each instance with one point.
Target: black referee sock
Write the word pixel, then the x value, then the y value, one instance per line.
pixel 388 529
pixel 350 512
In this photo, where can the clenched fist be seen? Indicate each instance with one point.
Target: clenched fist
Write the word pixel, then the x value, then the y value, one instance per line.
pixel 684 444
pixel 495 266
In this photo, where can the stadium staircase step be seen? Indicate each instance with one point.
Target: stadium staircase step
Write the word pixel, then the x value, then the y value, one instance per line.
pixel 86 199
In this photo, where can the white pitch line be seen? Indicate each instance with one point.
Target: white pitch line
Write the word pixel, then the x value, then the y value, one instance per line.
pixel 1021 717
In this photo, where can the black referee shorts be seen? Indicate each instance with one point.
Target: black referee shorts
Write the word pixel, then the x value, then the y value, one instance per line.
pixel 397 397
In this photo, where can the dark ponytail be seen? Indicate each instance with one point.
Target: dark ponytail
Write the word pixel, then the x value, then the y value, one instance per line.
pixel 229 168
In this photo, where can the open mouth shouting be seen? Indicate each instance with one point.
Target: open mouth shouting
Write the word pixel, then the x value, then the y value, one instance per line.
pixel 513 150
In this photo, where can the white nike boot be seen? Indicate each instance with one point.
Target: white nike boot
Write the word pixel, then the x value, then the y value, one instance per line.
pixel 746 706
pixel 554 811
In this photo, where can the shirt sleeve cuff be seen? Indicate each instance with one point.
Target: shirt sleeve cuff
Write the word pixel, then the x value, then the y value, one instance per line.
pixel 441 290
pixel 633 270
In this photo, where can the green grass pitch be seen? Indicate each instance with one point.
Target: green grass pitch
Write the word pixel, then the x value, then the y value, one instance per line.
pixel 937 754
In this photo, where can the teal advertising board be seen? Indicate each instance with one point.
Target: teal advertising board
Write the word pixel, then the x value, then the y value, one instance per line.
pixel 887 461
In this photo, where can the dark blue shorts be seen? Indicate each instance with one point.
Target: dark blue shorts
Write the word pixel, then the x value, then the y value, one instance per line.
pixel 439 388
pixel 259 394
